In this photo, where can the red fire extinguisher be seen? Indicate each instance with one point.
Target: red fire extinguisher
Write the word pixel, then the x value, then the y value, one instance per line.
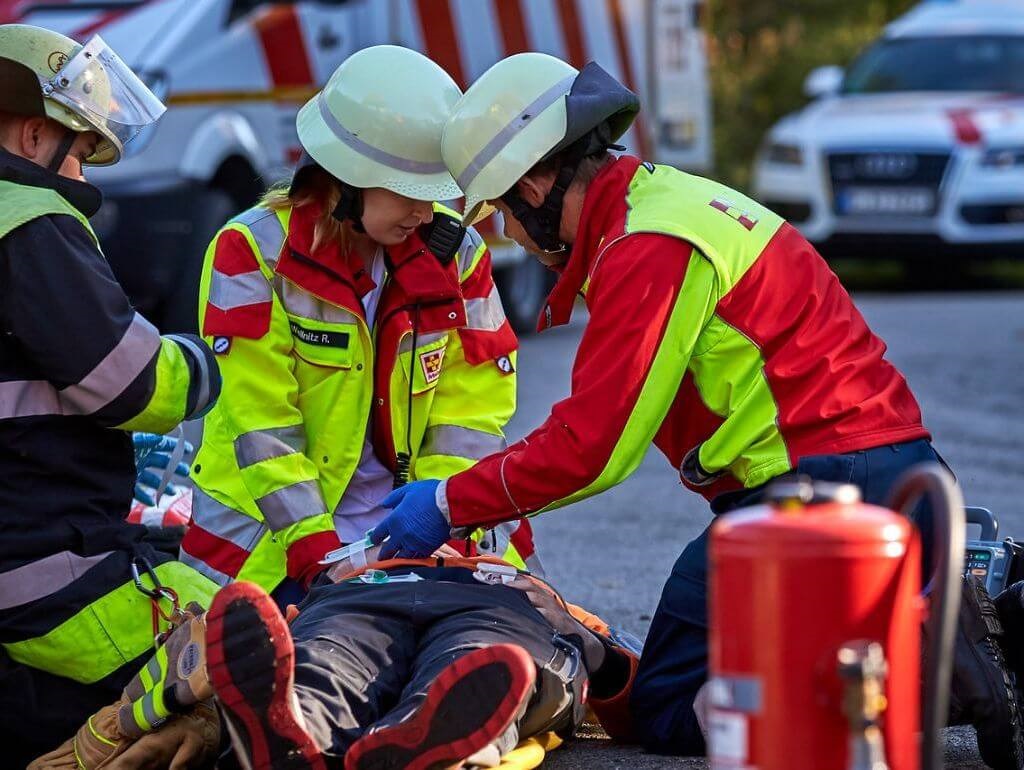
pixel 815 613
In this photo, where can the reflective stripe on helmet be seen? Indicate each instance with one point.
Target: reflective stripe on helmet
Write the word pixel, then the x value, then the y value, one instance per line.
pixel 500 140
pixel 374 153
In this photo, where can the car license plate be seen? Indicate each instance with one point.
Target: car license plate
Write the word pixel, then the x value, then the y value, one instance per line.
pixel 905 201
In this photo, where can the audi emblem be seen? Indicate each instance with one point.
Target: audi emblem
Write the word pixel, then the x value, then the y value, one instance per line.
pixel 888 165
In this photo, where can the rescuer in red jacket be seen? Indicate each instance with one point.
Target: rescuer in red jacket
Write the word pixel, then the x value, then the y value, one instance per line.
pixel 716 331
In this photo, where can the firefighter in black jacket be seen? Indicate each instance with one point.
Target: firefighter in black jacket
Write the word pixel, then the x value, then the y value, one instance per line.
pixel 79 370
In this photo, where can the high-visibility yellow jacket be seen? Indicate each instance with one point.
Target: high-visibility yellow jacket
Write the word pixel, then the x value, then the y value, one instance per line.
pixel 304 376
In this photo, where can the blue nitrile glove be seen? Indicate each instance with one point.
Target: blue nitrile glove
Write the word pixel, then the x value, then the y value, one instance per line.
pixel 154 451
pixel 415 527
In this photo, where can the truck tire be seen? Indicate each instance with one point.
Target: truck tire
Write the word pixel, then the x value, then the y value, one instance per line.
pixel 211 211
pixel 524 288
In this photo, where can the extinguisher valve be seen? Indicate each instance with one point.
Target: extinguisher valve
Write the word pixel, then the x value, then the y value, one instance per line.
pixel 863 668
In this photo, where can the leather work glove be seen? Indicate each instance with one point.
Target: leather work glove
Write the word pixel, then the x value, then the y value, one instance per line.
pixel 155 451
pixel 186 741
pixel 415 528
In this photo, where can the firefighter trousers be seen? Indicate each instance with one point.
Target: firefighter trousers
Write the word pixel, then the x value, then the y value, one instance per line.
pixel 674 664
pixel 365 654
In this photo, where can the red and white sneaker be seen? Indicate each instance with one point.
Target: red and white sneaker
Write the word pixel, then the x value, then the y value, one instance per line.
pixel 250 659
pixel 468 706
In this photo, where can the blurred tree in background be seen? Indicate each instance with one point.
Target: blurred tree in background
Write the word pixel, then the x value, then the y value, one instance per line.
pixel 760 51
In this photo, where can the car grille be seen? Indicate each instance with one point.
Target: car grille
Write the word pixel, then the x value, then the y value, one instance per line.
pixel 884 170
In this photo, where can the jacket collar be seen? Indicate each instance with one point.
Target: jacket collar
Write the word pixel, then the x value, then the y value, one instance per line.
pixel 603 218
pixel 82 195
pixel 341 278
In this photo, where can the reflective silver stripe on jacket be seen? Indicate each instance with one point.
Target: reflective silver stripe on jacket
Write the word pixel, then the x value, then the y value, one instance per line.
pixel 204 569
pixel 405 345
pixel 108 379
pixel 228 292
pixel 471 244
pixel 485 314
pixel 43 577
pixel 266 230
pixel 28 398
pixel 291 504
pixel 534 566
pixel 225 522
pixel 259 445
pixel 301 303
pixel 456 441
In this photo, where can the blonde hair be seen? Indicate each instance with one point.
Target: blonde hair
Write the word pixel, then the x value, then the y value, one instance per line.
pixel 317 187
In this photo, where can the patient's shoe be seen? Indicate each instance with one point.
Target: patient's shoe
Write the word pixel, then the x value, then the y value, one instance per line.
pixel 250 659
pixel 467 707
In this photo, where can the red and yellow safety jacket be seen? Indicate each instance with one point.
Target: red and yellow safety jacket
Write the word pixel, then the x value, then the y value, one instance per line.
pixel 303 375
pixel 716 331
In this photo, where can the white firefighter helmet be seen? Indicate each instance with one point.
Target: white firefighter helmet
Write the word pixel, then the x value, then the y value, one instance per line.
pixel 378 123
pixel 522 110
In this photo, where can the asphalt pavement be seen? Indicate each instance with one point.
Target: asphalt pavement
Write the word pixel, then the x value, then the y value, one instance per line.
pixel 961 353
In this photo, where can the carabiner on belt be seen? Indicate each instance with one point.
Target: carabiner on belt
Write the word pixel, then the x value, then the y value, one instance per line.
pixel 155 594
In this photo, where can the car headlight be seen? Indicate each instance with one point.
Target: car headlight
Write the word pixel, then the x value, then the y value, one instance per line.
pixel 1003 157
pixel 157 83
pixel 784 154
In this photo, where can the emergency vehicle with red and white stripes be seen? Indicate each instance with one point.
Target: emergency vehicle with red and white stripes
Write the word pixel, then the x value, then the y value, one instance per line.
pixel 233 74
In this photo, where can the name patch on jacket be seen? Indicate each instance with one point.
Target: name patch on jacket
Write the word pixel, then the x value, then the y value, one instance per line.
pixel 322 337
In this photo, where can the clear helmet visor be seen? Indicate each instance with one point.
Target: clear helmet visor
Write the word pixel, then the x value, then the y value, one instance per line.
pixel 98 86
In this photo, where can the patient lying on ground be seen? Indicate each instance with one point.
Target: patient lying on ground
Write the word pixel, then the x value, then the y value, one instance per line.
pixel 437 663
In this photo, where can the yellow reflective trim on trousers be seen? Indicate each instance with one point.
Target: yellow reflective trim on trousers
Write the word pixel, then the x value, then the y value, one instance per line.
pixel 689 316
pixel 166 407
pixel 731 381
pixel 113 630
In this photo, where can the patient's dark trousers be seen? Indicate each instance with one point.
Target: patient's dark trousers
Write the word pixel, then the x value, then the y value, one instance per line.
pixel 365 654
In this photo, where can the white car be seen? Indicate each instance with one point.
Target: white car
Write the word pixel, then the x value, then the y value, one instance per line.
pixel 918 145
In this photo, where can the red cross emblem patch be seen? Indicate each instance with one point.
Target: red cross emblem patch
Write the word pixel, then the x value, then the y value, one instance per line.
pixel 431 363
pixel 745 218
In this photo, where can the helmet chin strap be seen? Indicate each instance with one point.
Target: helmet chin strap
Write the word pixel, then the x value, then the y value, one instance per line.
pixel 350 207
pixel 543 223
pixel 61 153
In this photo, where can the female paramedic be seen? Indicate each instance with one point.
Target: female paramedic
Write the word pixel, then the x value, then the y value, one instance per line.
pixel 361 339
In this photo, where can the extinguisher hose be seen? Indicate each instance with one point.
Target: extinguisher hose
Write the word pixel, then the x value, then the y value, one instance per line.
pixel 943 587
